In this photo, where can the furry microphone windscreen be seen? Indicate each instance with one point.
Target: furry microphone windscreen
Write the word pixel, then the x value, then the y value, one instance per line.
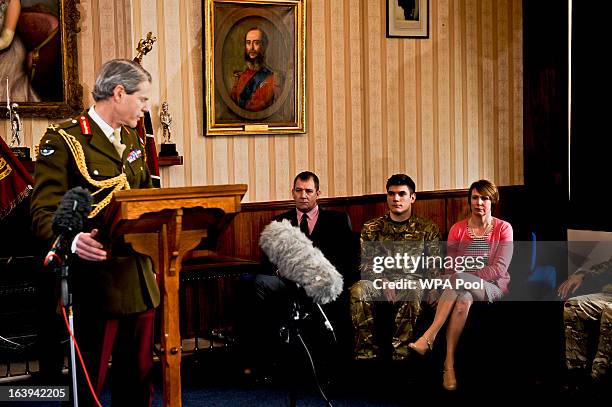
pixel 299 261
pixel 72 211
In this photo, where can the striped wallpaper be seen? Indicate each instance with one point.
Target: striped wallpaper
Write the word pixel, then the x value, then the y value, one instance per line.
pixel 447 110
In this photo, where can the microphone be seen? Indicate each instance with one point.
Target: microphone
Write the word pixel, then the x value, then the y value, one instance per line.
pixel 68 219
pixel 299 261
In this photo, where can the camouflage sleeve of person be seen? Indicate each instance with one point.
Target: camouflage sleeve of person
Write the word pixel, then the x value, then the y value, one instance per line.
pixel 433 248
pixel 597 270
pixel 367 255
pixel 372 247
pixel 598 275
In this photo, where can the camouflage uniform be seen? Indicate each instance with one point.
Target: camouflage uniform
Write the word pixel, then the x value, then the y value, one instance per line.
pixel 407 306
pixel 581 315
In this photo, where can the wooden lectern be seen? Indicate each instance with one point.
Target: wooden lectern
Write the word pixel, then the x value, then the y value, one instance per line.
pixel 165 224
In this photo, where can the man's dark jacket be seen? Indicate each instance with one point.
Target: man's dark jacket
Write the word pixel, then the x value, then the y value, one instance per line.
pixel 332 235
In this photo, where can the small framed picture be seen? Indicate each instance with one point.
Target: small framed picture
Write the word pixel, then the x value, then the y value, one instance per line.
pixel 255 67
pixel 408 18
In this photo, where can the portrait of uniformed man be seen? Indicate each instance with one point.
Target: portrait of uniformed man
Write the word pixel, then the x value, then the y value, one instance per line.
pixel 256 87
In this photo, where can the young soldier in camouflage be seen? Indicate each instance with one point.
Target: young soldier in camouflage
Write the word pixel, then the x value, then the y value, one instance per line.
pixel 399 224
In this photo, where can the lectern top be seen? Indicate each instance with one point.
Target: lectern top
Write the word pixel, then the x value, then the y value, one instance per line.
pixel 204 191
pixel 145 210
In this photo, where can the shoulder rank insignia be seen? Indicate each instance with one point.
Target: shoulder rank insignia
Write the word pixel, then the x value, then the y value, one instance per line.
pixel 85 127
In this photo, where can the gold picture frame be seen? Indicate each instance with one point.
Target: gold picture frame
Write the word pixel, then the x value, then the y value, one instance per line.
pixel 407 18
pixel 47 30
pixel 255 90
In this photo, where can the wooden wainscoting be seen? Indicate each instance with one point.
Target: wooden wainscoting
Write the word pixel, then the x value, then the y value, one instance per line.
pixel 241 238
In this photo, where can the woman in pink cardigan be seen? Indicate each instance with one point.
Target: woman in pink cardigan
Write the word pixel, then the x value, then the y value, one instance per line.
pixel 488 241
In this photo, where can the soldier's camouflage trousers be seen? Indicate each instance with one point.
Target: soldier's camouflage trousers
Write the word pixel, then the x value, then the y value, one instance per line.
pixel 583 317
pixel 407 308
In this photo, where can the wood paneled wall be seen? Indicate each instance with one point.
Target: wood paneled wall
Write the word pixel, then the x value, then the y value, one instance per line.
pixel 447 110
pixel 241 238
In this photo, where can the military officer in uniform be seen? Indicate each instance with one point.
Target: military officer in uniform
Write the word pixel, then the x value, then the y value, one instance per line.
pixel 114 288
pixel 400 224
pixel 585 316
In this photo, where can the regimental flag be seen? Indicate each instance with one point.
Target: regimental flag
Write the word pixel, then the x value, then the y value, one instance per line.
pixel 15 182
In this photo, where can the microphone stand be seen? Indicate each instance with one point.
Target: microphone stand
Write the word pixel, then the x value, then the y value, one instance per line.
pixel 66 301
pixel 292 330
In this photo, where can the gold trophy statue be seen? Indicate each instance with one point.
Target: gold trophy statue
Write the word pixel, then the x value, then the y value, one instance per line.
pixel 21 152
pixel 144 46
pixel 168 149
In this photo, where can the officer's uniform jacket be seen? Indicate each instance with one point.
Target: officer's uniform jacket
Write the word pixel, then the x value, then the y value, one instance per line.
pixel 124 283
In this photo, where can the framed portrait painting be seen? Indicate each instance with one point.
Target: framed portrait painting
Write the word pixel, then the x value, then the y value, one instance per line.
pixel 38 69
pixel 408 18
pixel 254 67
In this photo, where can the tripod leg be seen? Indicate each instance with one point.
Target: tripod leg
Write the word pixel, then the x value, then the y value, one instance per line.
pixel 72 360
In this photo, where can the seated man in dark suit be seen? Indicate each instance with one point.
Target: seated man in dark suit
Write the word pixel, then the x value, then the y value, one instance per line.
pixel 331 232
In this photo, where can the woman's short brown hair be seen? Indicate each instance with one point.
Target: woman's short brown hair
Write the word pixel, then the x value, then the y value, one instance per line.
pixel 486 188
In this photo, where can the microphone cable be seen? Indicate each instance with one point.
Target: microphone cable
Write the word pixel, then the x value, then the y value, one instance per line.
pixel 76 346
pixel 328 324
pixel 314 370
pixel 13 345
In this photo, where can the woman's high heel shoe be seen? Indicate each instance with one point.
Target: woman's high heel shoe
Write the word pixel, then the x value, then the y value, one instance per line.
pixel 422 350
pixel 449 382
